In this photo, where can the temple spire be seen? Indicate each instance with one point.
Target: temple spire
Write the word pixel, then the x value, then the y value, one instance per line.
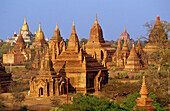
pixel 56 26
pixel 96 22
pixel 158 18
pixel 119 45
pixel 73 29
pixel 25 22
pixel 144 91
pixel 124 29
pixel 39 27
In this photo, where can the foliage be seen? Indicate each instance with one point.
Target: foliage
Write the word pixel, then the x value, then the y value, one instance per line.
pixel 130 102
pixel 91 103
pixel 113 69
pixel 137 76
pixel 122 74
pixel 116 89
pixel 83 40
pixel 4 49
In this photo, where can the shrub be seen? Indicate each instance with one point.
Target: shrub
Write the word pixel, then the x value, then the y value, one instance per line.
pixel 137 76
pixel 91 103
pixel 113 69
pixel 122 74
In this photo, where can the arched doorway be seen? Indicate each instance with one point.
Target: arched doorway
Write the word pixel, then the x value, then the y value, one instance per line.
pixel 41 92
pixel 102 55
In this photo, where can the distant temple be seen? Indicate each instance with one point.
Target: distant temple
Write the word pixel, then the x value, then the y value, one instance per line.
pixel 133 60
pixel 156 36
pixel 96 45
pixel 19 54
pixel 125 36
pixel 26 34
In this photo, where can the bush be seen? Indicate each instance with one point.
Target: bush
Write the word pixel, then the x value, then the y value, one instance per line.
pixel 113 69
pixel 137 76
pixel 122 74
pixel 91 103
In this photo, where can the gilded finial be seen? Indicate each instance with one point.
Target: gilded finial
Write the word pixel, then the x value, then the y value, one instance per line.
pixel 73 29
pixel 133 45
pixel 73 23
pixel 39 27
pixel 25 22
pixel 15 33
pixel 96 19
pixel 56 26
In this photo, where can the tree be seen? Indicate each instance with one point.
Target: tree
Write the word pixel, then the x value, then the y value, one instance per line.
pixel 158 35
pixel 91 103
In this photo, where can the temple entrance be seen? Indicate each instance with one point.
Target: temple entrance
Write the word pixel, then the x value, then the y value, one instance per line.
pixel 41 92
pixel 102 55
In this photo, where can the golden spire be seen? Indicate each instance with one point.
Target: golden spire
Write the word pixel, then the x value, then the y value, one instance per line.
pixel 25 22
pixel 96 22
pixel 73 29
pixel 144 91
pixel 56 27
pixel 25 26
pixel 39 30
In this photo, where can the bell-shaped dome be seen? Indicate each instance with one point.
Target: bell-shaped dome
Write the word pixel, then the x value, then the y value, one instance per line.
pixel 25 25
pixel 39 34
pixel 96 33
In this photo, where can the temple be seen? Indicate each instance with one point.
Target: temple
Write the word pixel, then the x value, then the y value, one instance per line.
pixel 47 83
pixel 83 71
pixel 126 36
pixel 133 61
pixel 156 36
pixel 56 43
pixel 39 39
pixel 96 45
pixel 19 54
pixel 26 34
pixel 144 102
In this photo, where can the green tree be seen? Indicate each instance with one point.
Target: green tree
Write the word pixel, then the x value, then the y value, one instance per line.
pixel 91 103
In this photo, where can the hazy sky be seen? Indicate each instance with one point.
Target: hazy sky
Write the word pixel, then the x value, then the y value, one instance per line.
pixel 113 16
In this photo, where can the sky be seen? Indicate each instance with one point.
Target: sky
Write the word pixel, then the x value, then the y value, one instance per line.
pixel 113 16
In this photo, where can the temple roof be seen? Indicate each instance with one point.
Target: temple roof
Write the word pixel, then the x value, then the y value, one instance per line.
pixel 40 35
pixel 20 38
pixel 96 33
pixel 144 91
pixel 57 36
pixel 124 32
pixel 125 47
pixel 25 25
pixel 73 44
